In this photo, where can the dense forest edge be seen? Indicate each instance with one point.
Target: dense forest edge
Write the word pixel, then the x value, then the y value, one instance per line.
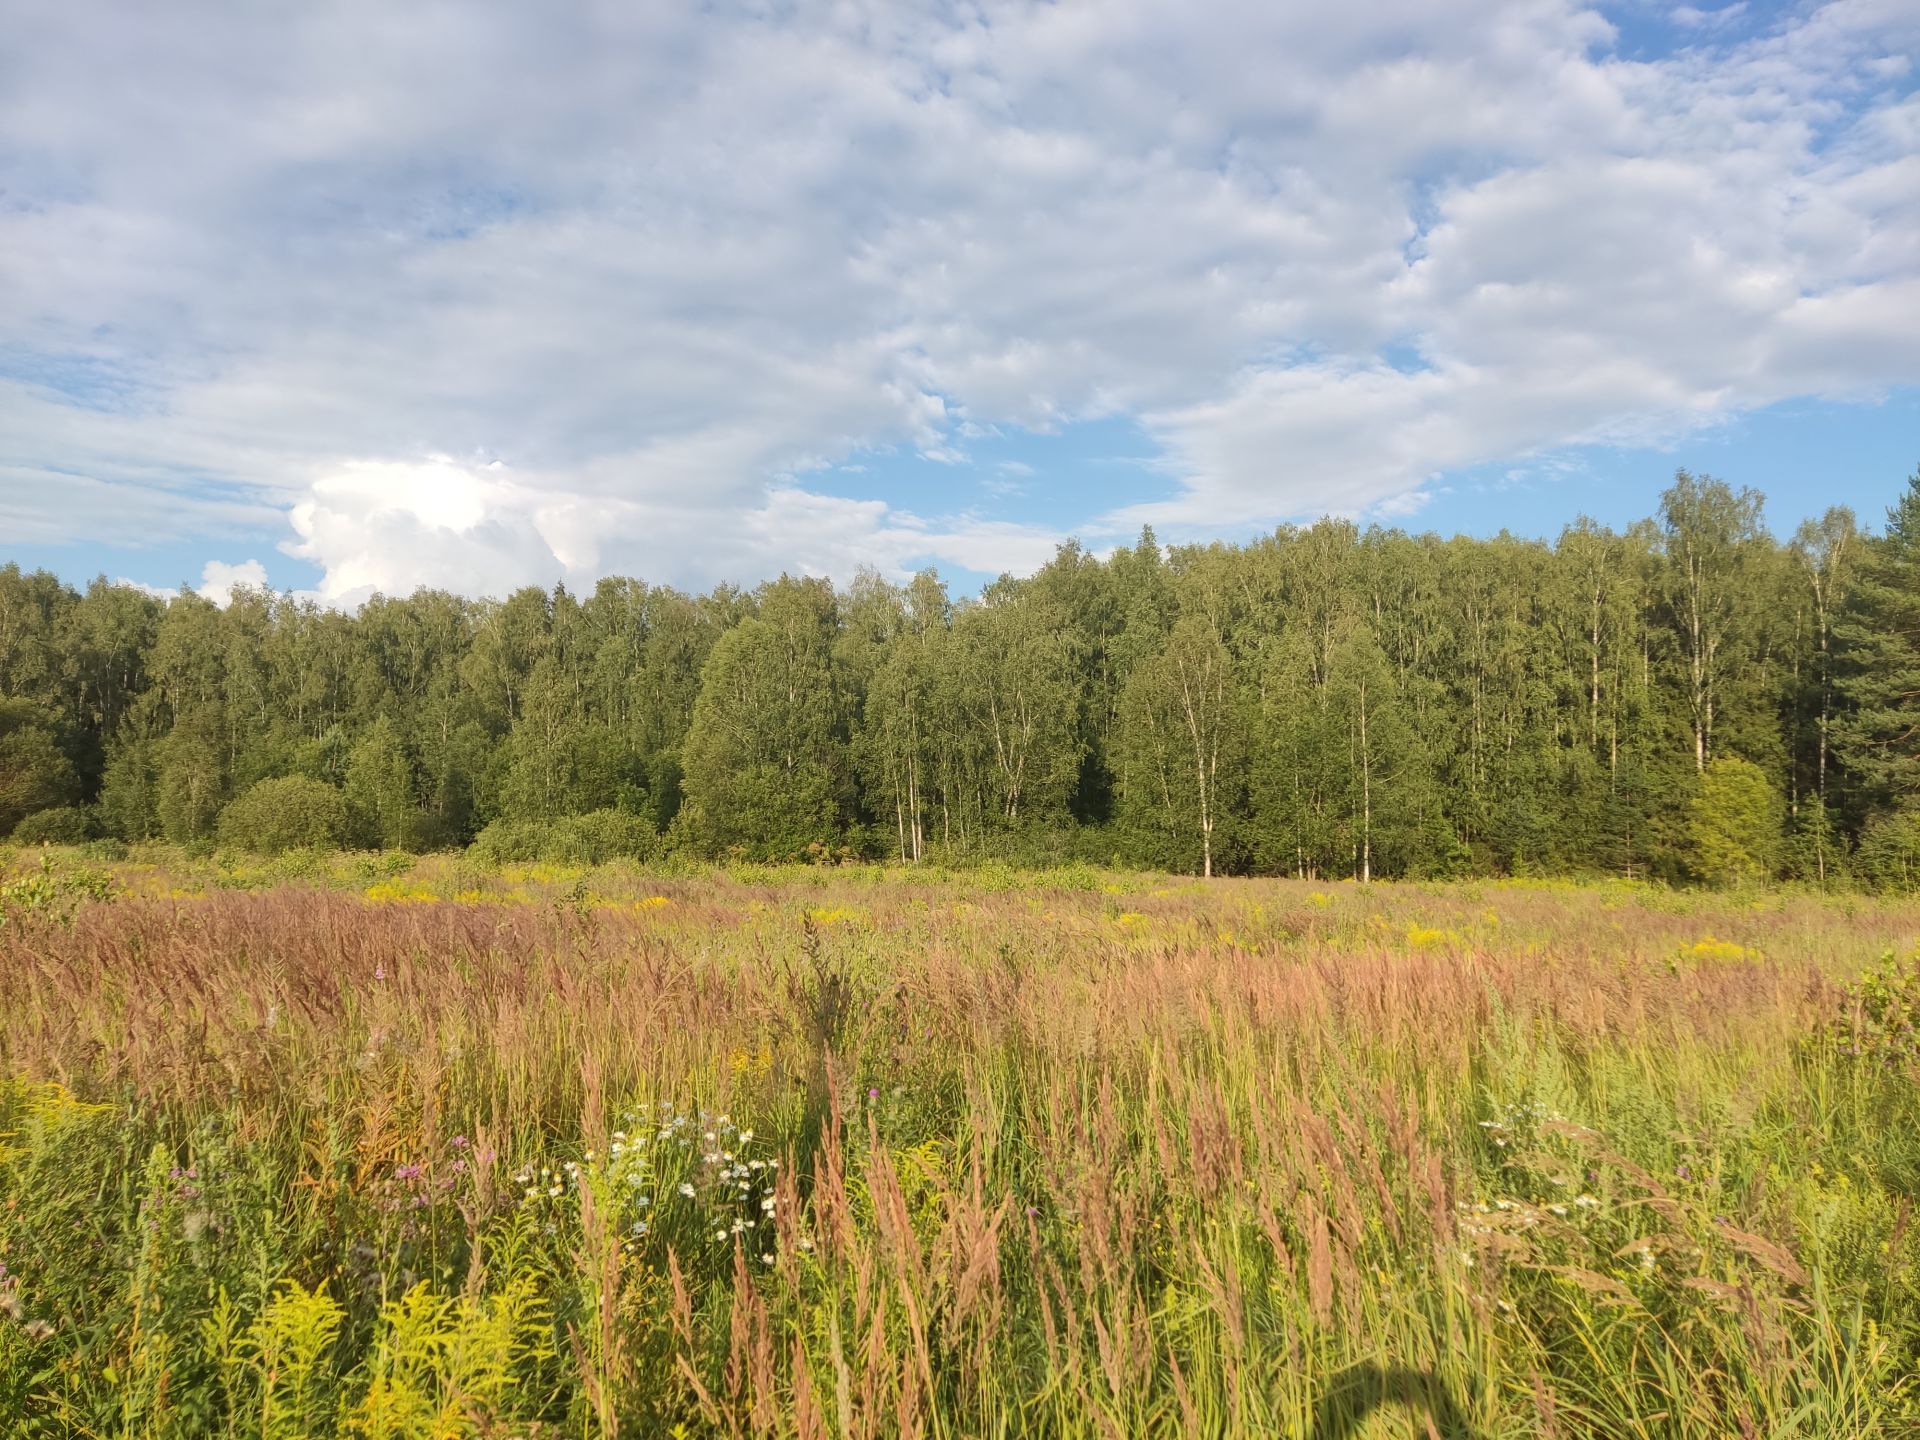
pixel 1688 700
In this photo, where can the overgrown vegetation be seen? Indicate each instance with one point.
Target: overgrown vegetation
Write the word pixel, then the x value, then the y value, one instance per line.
pixel 323 1145
pixel 1687 700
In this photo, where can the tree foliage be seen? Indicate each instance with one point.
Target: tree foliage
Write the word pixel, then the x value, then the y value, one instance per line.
pixel 292 812
pixel 1322 701
pixel 1734 823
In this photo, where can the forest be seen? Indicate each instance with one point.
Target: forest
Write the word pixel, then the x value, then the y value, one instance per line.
pixel 1690 699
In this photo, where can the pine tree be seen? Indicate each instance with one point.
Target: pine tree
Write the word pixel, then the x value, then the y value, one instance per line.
pixel 1877 667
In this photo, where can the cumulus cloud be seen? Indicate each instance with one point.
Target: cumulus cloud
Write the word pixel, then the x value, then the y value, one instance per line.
pixel 387 527
pixel 645 272
pixel 218 581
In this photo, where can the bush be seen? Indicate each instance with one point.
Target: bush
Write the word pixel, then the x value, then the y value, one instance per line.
pixel 61 825
pixel 509 842
pixel 1735 823
pixel 291 813
pixel 34 774
pixel 602 835
pixel 590 839
pixel 1889 853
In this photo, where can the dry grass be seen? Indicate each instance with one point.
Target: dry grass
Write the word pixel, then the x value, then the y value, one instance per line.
pixel 1061 1155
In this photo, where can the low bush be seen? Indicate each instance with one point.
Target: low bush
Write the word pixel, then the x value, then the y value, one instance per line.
pixel 61 825
pixel 590 839
pixel 292 813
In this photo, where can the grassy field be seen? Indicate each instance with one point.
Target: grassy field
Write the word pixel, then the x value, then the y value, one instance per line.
pixel 368 1148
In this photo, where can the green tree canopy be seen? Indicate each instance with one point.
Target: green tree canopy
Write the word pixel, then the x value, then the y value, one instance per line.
pixel 1735 823
pixel 289 813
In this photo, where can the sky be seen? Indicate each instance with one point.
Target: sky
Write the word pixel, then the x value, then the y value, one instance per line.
pixel 354 297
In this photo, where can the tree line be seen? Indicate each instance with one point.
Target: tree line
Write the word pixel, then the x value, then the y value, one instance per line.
pixel 1688 698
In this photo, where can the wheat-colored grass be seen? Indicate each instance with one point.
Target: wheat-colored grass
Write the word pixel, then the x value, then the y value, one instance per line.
pixel 358 1147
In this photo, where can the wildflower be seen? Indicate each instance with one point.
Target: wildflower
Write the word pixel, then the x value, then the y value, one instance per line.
pixel 380 971
pixel 767 1259
pixel 686 1189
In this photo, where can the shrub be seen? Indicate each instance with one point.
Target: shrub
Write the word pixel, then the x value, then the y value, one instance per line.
pixel 286 814
pixel 602 835
pixel 1735 824
pixel 1877 1021
pixel 509 842
pixel 61 825
pixel 1889 853
pixel 590 839
pixel 34 774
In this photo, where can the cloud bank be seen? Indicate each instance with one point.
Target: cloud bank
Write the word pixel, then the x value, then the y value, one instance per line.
pixel 482 295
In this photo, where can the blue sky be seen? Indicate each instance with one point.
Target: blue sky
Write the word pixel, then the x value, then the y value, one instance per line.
pixel 356 299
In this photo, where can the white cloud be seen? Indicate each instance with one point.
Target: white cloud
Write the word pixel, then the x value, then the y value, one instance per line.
pixel 218 580
pixel 390 527
pixel 259 269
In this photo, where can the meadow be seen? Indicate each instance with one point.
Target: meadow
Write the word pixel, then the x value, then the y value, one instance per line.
pixel 370 1146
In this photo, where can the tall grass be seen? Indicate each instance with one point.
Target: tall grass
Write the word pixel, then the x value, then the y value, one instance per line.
pixel 357 1149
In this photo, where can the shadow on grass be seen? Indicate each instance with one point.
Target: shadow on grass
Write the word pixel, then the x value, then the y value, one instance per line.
pixel 1359 1390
